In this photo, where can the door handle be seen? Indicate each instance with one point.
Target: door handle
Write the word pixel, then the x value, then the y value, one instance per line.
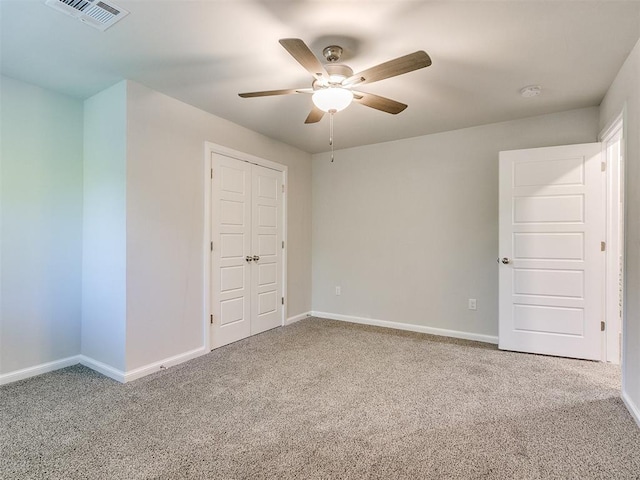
pixel 504 260
pixel 248 258
pixel 256 258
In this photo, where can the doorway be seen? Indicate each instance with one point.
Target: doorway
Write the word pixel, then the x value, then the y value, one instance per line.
pixel 613 155
pixel 561 234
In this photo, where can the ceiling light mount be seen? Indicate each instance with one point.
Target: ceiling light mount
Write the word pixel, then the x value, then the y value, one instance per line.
pixel 531 91
pixel 332 53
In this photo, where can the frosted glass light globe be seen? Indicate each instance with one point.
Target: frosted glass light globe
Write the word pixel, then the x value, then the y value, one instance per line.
pixel 333 98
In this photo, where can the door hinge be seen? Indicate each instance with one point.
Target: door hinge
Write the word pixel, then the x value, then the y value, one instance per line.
pixel 602 326
pixel 212 319
pixel 283 244
pixel 283 300
pixel 212 246
pixel 603 246
pixel 283 188
pixel 603 166
pixel 212 173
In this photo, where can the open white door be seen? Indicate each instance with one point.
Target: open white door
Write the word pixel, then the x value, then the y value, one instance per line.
pixel 552 263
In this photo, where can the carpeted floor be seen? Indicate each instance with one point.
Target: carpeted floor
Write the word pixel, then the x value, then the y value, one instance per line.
pixel 322 399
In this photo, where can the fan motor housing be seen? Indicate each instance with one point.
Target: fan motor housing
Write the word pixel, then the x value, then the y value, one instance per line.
pixel 339 69
pixel 337 74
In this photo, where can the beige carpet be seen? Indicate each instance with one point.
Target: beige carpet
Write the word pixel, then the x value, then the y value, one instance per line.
pixel 322 399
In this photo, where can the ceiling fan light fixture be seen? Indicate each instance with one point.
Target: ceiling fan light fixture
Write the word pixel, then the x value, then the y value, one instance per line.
pixel 332 99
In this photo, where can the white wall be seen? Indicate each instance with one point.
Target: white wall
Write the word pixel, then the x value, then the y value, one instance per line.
pixel 409 229
pixel 104 227
pixel 165 221
pixel 41 215
pixel 625 93
pixel 124 287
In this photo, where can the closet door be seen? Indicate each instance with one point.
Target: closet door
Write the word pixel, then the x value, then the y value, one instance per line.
pixel 231 270
pixel 266 241
pixel 247 250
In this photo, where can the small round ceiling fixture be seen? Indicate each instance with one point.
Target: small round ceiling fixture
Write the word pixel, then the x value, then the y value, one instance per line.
pixel 531 91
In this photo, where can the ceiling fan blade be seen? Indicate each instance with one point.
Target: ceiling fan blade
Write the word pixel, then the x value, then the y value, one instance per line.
pixel 379 103
pixel 270 93
pixel 315 115
pixel 398 66
pixel 305 57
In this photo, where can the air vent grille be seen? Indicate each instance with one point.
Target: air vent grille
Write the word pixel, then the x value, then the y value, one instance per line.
pixel 102 12
pixel 97 13
pixel 77 4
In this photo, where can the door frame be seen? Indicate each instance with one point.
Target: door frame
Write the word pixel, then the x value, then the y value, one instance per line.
pixel 615 241
pixel 209 149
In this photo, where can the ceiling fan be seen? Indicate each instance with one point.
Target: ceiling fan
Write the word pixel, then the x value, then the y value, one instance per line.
pixel 333 86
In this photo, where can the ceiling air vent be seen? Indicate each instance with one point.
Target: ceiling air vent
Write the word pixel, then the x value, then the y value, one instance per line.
pixel 97 13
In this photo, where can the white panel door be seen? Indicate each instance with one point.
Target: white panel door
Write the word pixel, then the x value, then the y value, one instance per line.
pixel 551 273
pixel 266 239
pixel 247 256
pixel 230 270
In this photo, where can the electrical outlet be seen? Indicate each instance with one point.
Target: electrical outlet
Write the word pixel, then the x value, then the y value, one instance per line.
pixel 472 304
pixel 338 291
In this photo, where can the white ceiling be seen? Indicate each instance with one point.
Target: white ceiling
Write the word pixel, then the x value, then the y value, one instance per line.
pixel 206 52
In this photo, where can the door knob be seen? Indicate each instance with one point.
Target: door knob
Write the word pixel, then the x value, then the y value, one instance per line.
pixel 505 260
pixel 248 258
pixel 256 258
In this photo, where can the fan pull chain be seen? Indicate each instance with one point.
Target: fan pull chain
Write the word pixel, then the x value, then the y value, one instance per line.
pixel 331 112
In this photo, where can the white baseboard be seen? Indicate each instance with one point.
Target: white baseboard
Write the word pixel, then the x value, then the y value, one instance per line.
pixel 632 407
pixel 38 369
pixel 296 318
pixel 410 327
pixel 163 364
pixel 103 368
